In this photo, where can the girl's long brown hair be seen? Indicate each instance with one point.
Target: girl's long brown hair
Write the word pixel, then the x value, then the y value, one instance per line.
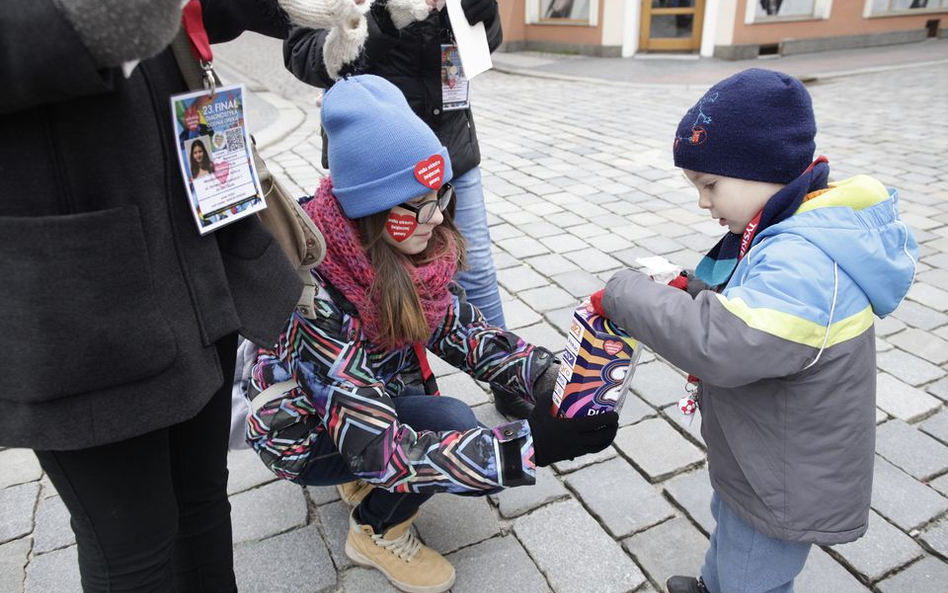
pixel 400 314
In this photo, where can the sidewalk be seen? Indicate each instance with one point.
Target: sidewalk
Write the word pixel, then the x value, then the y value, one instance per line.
pixel 579 183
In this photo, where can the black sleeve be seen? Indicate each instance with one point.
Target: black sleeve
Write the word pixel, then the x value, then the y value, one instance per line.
pixel 495 35
pixel 43 59
pixel 227 19
pixel 303 56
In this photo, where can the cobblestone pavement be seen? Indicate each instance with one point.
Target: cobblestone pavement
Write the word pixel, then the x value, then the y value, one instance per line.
pixel 580 183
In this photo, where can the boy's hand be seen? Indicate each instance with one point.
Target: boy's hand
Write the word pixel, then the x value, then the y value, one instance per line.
pixel 595 299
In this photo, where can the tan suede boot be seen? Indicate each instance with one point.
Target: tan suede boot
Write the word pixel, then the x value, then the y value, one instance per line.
pixel 405 561
pixel 352 493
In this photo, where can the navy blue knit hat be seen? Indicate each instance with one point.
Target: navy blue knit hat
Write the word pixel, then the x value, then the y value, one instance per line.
pixel 756 125
pixel 380 153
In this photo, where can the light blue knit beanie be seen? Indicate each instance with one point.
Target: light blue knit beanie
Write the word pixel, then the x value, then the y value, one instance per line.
pixel 380 153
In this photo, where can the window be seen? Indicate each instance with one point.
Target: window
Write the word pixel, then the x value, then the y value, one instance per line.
pixel 768 11
pixel 891 7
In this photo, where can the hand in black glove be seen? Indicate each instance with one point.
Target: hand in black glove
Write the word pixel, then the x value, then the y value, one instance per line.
pixel 556 439
pixel 479 10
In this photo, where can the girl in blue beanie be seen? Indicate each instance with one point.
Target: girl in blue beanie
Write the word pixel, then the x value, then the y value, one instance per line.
pixel 783 347
pixel 347 395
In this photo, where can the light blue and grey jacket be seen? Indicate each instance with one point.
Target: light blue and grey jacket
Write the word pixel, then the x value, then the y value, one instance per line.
pixel 787 360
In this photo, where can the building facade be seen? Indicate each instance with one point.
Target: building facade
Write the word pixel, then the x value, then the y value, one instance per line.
pixel 730 29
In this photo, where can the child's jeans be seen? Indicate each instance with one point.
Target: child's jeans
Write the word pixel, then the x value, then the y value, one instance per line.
pixel 381 509
pixel 744 560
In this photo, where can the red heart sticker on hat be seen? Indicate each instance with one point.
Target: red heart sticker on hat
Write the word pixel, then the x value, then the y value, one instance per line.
pixel 612 347
pixel 430 172
pixel 401 226
pixel 222 171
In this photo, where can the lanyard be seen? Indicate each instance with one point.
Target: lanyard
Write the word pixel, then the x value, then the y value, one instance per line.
pixel 192 20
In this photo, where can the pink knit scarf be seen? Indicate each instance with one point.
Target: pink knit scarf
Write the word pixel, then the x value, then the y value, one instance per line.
pixel 347 267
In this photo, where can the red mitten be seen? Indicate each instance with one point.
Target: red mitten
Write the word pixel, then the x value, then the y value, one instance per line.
pixel 680 282
pixel 596 300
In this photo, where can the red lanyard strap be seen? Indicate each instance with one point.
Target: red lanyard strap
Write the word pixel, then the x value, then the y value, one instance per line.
pixel 192 20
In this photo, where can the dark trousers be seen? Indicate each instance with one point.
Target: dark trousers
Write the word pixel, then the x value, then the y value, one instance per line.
pixel 151 513
pixel 381 509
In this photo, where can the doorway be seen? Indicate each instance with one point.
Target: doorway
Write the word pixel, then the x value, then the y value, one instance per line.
pixel 671 25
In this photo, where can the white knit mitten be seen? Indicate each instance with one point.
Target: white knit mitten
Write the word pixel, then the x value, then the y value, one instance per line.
pixel 405 12
pixel 343 46
pixel 326 14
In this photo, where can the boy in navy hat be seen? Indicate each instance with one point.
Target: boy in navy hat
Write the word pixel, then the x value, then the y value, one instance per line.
pixel 783 347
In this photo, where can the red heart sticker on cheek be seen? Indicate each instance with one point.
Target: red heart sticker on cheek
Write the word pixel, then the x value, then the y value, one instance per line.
pixel 612 347
pixel 401 226
pixel 430 172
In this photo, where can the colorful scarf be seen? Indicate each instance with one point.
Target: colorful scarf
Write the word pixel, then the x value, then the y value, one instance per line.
pixel 716 267
pixel 348 269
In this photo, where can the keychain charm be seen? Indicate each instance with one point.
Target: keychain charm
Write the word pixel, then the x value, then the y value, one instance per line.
pixel 688 405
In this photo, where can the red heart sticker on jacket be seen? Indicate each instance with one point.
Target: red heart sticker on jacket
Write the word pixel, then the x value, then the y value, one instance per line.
pixel 401 226
pixel 612 347
pixel 430 172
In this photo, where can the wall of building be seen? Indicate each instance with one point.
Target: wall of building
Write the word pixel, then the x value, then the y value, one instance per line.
pixel 845 19
pixel 519 35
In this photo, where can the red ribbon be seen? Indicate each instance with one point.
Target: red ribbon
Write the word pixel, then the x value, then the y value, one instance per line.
pixel 192 20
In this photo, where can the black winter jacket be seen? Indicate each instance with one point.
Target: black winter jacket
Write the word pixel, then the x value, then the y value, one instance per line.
pixel 409 58
pixel 110 300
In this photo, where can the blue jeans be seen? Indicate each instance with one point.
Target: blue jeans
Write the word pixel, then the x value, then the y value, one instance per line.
pixel 381 509
pixel 744 560
pixel 479 280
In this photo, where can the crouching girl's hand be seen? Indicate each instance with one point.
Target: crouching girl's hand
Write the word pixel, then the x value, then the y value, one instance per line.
pixel 556 439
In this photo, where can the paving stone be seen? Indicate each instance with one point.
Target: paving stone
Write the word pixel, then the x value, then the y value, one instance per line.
pixel 881 550
pixel 463 387
pixel 364 580
pixel 560 318
pixel 521 247
pixel 267 511
pixel 937 426
pixel 246 471
pixel 513 502
pixel 674 547
pixel 619 497
pixel 592 259
pixel 635 410
pixel 13 558
pixel 911 369
pixel 18 466
pixel 552 536
pixel 935 537
pixel 565 243
pixel 579 283
pixel 939 389
pixel 334 519
pixel 692 492
pixel 547 298
pixel 17 504
pixel 928 575
pixel 903 401
pixel 920 316
pixel 498 564
pixel 517 314
pixel 922 344
pixel 929 296
pixel 543 334
pixel 321 495
pixel 940 484
pixel 656 449
pixel 56 572
pixel 658 383
pixel 551 264
pixel 448 522
pixel 301 558
pixel 520 278
pixel 823 573
pixel 913 451
pixel 903 500
pixel 52 530
pixel 438 366
pixel 571 465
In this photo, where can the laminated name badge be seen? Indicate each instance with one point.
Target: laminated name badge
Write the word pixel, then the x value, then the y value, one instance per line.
pixel 597 367
pixel 213 149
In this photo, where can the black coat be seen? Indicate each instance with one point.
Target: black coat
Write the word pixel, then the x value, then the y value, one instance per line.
pixel 110 300
pixel 410 58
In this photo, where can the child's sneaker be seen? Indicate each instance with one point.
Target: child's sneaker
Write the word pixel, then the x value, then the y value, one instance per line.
pixel 352 493
pixel 679 584
pixel 405 561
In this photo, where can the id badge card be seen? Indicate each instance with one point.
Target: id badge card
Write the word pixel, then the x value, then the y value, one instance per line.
pixel 213 148
pixel 455 87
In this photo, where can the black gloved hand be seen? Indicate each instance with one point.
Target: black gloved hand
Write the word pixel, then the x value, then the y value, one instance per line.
pixel 556 439
pixel 695 285
pixel 479 10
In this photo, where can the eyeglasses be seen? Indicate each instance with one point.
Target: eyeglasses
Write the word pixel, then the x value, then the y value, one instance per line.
pixel 425 211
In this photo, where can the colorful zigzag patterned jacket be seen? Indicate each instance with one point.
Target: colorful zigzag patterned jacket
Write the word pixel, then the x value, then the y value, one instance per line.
pixel 336 381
